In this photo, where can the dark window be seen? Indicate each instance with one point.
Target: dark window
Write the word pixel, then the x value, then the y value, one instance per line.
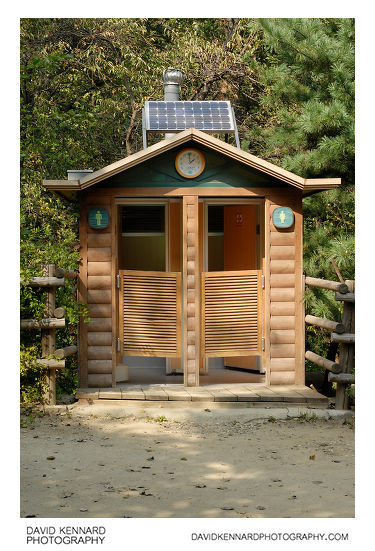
pixel 143 218
pixel 215 218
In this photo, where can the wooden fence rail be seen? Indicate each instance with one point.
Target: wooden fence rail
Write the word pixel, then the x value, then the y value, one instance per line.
pixel 323 362
pixel 342 333
pixel 69 274
pixel 45 323
pixel 65 352
pixel 52 359
pixel 325 324
pixel 46 282
pixel 342 378
pixel 327 284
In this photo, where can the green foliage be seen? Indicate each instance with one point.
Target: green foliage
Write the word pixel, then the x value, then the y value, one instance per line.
pixel 84 81
pixel 310 88
pixel 308 93
pixel 31 380
pixel 48 236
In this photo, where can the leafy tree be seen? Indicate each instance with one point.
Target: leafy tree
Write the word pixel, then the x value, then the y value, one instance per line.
pixel 308 92
pixel 309 86
pixel 84 81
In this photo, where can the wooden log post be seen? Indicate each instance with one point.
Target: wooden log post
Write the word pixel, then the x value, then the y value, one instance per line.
pixel 49 338
pixel 346 351
pixel 191 291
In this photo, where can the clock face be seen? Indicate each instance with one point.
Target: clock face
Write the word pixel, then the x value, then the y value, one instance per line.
pixel 190 163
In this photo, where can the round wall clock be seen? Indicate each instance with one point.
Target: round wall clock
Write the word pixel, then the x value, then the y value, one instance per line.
pixel 190 163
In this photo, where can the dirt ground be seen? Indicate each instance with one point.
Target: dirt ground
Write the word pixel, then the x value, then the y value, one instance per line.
pixel 87 461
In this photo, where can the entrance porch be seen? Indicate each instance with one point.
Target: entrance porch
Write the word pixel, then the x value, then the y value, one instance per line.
pixel 254 394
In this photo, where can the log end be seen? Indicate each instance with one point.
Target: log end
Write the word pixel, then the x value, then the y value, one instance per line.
pixel 59 312
pixel 343 288
pixel 340 328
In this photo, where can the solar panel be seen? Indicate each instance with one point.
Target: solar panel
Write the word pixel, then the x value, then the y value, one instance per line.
pixel 175 116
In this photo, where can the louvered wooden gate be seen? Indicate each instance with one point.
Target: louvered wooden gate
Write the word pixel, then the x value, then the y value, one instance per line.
pixel 231 313
pixel 150 313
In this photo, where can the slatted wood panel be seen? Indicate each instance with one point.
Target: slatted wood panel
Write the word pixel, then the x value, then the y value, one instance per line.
pixel 231 313
pixel 150 313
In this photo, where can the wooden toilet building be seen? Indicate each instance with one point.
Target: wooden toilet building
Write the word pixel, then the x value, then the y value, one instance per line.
pixel 191 254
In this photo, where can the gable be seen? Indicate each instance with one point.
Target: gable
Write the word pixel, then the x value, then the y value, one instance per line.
pixel 219 171
pixel 228 166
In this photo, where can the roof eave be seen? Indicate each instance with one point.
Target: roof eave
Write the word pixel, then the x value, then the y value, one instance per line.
pixel 315 185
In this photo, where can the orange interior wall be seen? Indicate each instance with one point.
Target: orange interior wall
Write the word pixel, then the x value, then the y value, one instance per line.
pixel 175 237
pixel 239 237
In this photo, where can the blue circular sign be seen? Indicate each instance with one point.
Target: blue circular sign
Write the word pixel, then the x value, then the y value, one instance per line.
pixel 98 218
pixel 283 217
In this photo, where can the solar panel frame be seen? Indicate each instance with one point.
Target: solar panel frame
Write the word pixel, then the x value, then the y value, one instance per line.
pixel 216 117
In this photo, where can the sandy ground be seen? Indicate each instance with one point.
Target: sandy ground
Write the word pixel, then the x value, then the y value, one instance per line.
pixel 100 462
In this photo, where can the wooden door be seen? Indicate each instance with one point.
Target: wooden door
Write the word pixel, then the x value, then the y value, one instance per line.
pixel 150 313
pixel 231 313
pixel 240 248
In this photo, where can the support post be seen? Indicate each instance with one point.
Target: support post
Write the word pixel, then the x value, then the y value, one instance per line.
pixel 191 289
pixel 346 352
pixel 49 338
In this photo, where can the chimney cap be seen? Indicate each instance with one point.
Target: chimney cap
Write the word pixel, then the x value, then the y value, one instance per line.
pixel 78 174
pixel 173 76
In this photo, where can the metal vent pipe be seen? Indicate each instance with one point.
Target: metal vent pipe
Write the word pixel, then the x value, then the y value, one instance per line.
pixel 172 78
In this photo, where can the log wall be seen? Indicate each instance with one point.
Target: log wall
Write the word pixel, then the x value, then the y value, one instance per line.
pixel 284 295
pixel 96 288
pixel 284 318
